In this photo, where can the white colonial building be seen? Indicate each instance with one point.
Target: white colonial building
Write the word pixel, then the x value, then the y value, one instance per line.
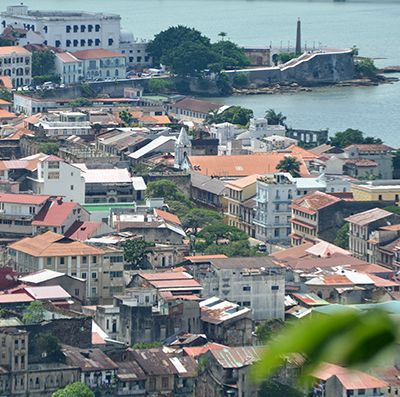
pixel 55 177
pixel 69 68
pixel 74 31
pixel 101 64
pixel 16 62
pixel 274 195
pixel 69 30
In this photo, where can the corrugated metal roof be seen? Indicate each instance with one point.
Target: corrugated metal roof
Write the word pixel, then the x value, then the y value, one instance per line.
pixel 237 357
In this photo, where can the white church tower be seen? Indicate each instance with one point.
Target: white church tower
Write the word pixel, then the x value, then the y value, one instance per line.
pixel 183 148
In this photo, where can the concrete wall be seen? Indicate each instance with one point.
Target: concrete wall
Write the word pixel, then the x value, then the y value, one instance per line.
pixel 321 68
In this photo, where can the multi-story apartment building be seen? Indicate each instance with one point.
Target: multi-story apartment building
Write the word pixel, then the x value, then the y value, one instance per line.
pixel 274 196
pixel 64 124
pixel 16 62
pixel 378 153
pixel 19 377
pixel 101 64
pixel 361 227
pixel 102 268
pixel 27 214
pixel 240 203
pixel 56 177
pixel 66 29
pixel 312 215
pixel 377 190
pixel 254 282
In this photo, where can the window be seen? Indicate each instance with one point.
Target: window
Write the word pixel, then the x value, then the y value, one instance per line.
pixel 164 382
pixel 76 291
pixel 247 288
pixel 48 261
pixel 361 392
pixel 275 287
pixel 72 187
pixel 84 275
pixel 276 232
pixel 94 291
pixel 380 197
pixel 94 275
pixel 62 260
pixel 277 219
pixel 68 28
pixel 152 384
pixel 76 28
pixel 97 28
pixel 53 175
pixel 94 259
pixel 84 259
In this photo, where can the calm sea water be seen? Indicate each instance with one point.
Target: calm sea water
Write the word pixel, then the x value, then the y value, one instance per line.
pixel 371 25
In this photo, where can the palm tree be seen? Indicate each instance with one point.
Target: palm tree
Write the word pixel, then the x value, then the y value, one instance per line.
pixel 275 118
pixel 222 35
pixel 291 165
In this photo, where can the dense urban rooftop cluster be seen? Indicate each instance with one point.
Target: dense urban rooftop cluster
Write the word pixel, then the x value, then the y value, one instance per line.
pixel 150 242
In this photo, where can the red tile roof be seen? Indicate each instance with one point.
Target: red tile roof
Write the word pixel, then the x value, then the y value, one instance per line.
pixel 82 230
pixel 15 298
pixel 314 201
pixel 200 350
pixel 54 213
pixel 371 147
pixel 97 53
pixel 242 165
pixel 167 216
pixel 197 105
pixel 350 379
pixel 162 276
pixel 31 199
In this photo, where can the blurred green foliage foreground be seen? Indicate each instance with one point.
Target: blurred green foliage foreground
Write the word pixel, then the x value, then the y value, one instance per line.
pixel 350 339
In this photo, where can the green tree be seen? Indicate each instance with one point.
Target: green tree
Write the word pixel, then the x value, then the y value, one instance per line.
pixel 351 136
pixel 164 188
pixel 80 102
pixel 43 63
pixel 234 115
pixel 239 248
pixel 286 56
pixel 126 117
pixel 197 218
pixel 34 313
pixel 229 55
pixel 223 84
pixel 6 95
pixel 393 208
pixel 49 148
pixel 76 389
pixel 49 347
pixel 289 164
pixel 366 68
pixel 342 237
pixel 275 118
pixel 190 58
pixel 167 41
pixel 160 86
pixel 222 35
pixel 146 345
pixel 269 328
pixel 241 80
pixel 5 42
pixel 396 164
pixel 135 251
pixel 216 231
pixel 273 388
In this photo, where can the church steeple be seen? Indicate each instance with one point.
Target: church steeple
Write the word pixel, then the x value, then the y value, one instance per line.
pixel 183 148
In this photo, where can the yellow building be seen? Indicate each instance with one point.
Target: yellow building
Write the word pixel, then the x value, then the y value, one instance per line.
pixel 241 203
pixel 379 190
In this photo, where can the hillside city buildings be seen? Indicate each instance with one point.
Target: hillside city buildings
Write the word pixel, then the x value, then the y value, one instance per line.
pixel 148 241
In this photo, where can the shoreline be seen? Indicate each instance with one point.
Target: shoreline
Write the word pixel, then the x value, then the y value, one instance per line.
pixel 295 87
